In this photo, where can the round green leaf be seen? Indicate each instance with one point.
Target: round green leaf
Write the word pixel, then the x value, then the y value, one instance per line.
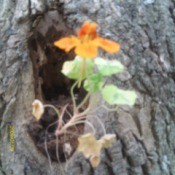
pixel 93 83
pixel 108 67
pixel 72 69
pixel 115 96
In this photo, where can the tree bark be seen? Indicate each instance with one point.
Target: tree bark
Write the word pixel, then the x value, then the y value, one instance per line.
pixel 145 143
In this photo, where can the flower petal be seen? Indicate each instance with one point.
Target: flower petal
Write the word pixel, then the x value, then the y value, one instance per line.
pixel 86 50
pixel 108 45
pixel 88 29
pixel 67 43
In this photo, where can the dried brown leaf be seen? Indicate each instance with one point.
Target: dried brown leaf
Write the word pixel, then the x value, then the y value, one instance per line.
pixel 38 109
pixel 95 161
pixel 89 146
pixel 107 140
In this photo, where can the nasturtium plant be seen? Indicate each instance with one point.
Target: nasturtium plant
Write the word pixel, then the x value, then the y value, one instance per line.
pixel 89 71
pixel 72 68
pixel 108 67
pixel 87 42
pixel 91 147
pixel 115 96
pixel 93 83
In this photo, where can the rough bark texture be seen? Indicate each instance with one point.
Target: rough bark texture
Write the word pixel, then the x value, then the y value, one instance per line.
pixel 145 29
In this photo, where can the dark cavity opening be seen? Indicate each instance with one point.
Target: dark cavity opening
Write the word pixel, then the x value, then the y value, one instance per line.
pixel 47 60
pixel 52 87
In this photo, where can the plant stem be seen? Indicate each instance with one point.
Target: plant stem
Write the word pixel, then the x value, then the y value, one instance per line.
pixel 61 117
pixel 73 121
pixel 66 126
pixel 108 109
pixel 55 109
pixel 104 130
pixel 82 72
pixel 72 95
pixel 81 114
pixel 84 101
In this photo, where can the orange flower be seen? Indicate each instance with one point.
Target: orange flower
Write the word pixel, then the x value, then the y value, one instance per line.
pixel 87 42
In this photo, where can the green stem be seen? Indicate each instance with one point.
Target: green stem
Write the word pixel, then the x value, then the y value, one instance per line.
pixel 108 109
pixel 72 95
pixel 61 117
pixel 84 101
pixel 82 72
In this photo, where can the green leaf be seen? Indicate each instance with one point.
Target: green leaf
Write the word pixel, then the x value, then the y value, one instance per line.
pixel 108 67
pixel 72 69
pixel 116 96
pixel 93 83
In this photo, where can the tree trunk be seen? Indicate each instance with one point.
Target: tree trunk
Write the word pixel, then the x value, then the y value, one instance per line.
pixel 145 143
